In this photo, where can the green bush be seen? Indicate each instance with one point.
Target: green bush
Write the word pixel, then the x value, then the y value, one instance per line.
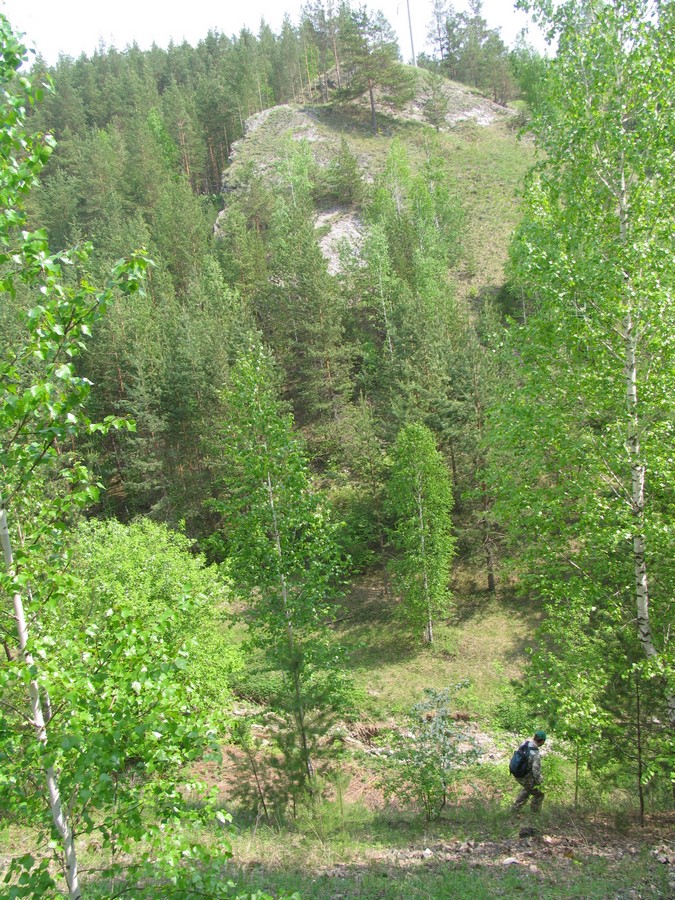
pixel 149 570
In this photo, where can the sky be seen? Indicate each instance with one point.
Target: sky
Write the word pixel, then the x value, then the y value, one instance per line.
pixel 72 27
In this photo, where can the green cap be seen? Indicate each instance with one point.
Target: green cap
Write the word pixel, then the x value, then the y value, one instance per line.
pixel 540 735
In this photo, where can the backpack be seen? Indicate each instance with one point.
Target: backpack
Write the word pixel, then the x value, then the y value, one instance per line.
pixel 520 761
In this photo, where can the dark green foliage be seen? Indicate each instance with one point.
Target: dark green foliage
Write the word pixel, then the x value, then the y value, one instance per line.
pixel 342 180
pixel 371 61
pixel 282 555
pixel 468 50
pixel 407 315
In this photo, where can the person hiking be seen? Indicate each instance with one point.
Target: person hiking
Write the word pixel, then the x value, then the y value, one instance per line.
pixel 532 778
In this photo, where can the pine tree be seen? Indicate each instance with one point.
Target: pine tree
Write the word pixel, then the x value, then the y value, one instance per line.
pixel 371 60
pixel 280 544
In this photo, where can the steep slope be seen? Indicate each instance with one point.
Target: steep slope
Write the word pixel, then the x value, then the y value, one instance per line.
pixel 477 138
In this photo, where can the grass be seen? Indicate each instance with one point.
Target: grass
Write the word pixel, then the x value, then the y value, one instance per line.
pixel 335 849
pixel 487 163
pixel 577 880
pixel 484 640
pixel 388 854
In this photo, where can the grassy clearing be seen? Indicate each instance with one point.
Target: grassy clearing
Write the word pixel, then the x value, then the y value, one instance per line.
pixel 593 879
pixel 354 852
pixel 483 641
pixel 475 848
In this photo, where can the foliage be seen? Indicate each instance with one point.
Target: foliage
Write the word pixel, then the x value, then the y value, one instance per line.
pixel 283 556
pixel 419 498
pixel 342 179
pixel 470 51
pixel 151 571
pixel 585 481
pixel 430 756
pixel 109 718
pixel 372 60
pixel 437 103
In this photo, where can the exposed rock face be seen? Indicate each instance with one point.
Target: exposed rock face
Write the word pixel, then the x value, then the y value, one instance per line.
pixel 261 151
pixel 463 105
pixel 279 120
pixel 266 131
pixel 345 229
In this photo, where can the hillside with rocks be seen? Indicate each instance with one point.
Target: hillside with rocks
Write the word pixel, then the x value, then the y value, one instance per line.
pixel 335 405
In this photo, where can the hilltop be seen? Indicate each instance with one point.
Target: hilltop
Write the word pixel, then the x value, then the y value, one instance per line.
pixel 478 139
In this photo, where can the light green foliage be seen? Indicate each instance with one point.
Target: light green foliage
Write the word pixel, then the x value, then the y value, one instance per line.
pixel 150 571
pixel 281 546
pixel 277 529
pixel 529 70
pixel 419 498
pixel 407 305
pixel 588 418
pixel 91 712
pixel 430 756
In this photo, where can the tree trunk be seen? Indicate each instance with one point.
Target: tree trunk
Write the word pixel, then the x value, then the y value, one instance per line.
pixel 630 340
pixel 337 62
pixel 373 119
pixel 641 790
pixel 637 466
pixel 60 819
pixel 309 79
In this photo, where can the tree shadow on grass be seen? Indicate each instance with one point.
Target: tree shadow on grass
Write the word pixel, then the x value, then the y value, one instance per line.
pixel 372 630
pixel 475 604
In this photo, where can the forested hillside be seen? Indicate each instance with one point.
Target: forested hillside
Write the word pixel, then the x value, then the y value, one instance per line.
pixel 335 428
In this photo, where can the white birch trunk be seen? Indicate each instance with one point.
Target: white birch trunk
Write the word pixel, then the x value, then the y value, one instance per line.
pixel 630 340
pixel 638 502
pixel 60 819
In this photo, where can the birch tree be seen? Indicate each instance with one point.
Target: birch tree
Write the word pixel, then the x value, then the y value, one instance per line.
pixel 420 500
pixel 35 419
pixel 281 546
pixel 591 412
pixel 90 710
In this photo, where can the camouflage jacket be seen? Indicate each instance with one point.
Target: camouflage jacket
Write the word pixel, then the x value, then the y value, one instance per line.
pixel 534 775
